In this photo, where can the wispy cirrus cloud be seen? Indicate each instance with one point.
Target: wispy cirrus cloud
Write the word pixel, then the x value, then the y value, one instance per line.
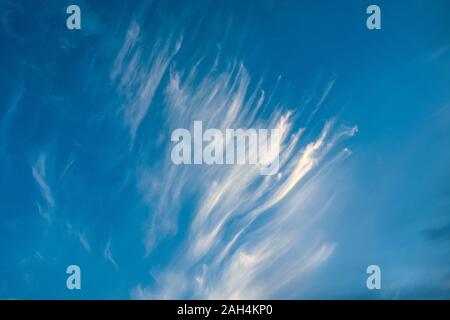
pixel 239 223
pixel 242 222
pixel 141 293
pixel 107 254
pixel 39 172
pixel 81 237
pixel 45 214
pixel 138 71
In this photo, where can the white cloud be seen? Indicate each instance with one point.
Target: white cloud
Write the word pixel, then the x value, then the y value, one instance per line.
pixel 140 71
pixel 84 242
pixel 80 236
pixel 38 170
pixel 141 293
pixel 107 254
pixel 44 214
pixel 250 236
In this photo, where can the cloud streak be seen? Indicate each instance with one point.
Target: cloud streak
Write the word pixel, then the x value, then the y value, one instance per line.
pixel 80 237
pixel 38 170
pixel 139 70
pixel 107 254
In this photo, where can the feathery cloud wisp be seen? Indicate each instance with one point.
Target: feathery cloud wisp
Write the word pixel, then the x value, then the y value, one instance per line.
pixel 140 71
pixel 38 170
pixel 107 254
pixel 243 221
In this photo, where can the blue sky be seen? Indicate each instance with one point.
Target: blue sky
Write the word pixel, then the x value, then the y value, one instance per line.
pixel 85 172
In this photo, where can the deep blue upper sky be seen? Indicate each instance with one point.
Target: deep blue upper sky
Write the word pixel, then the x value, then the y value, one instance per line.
pixel 85 171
